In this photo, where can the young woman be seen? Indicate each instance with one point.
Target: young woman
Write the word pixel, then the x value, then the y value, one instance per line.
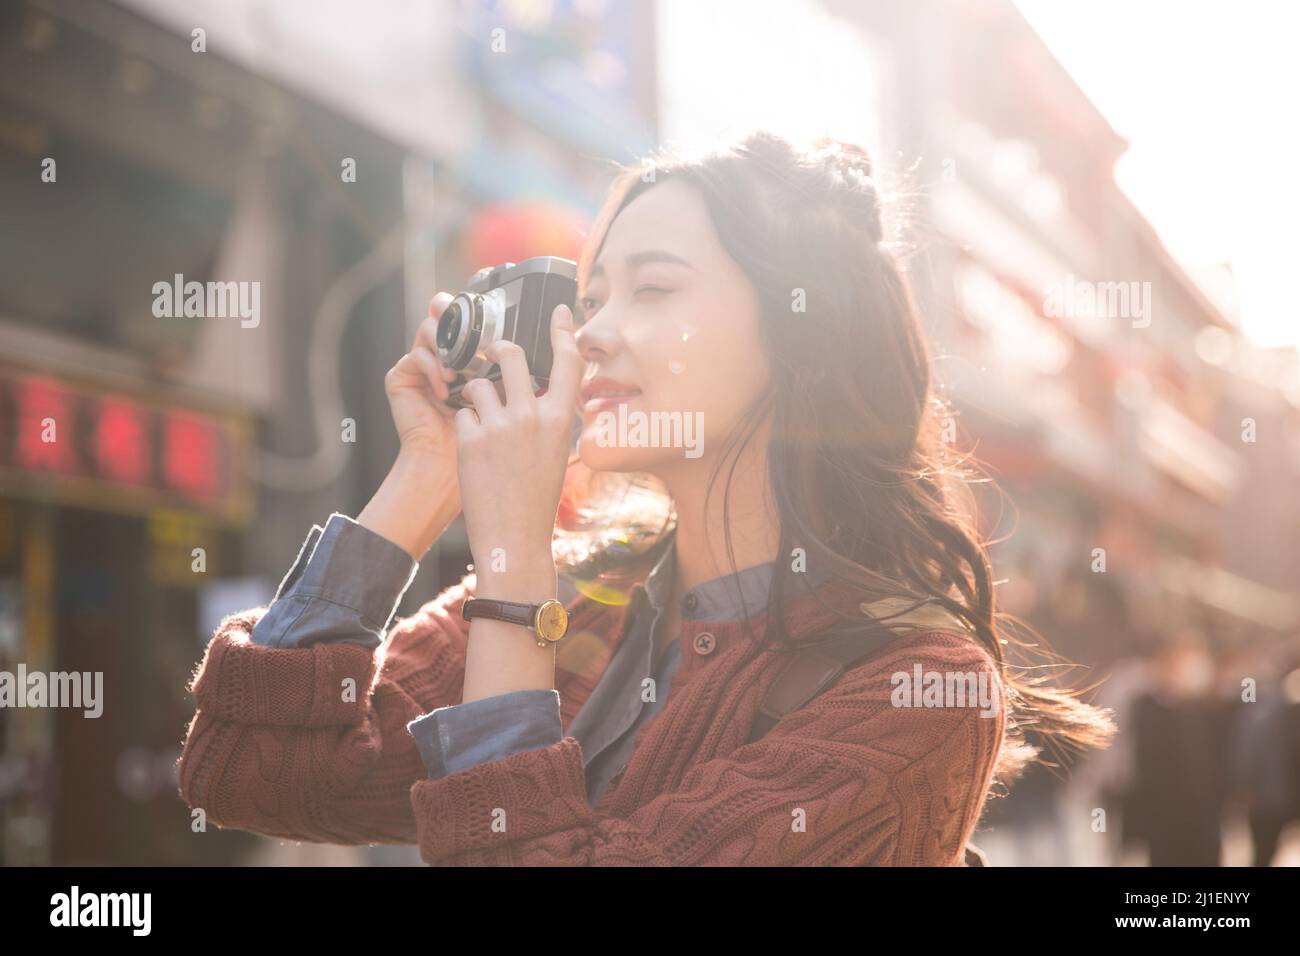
pixel 747 290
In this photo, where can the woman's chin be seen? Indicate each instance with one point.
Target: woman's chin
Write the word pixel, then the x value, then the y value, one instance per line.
pixel 600 457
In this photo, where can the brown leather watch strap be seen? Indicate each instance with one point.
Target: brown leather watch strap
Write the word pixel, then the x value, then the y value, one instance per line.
pixel 511 612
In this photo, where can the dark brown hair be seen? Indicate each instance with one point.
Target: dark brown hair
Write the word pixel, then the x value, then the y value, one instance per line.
pixel 862 477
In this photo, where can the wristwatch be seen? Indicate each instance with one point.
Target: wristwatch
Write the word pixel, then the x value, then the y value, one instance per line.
pixel 548 620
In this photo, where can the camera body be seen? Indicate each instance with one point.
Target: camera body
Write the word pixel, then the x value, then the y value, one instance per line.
pixel 511 302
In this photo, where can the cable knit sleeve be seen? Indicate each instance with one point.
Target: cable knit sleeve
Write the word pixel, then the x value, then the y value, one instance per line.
pixel 852 778
pixel 311 743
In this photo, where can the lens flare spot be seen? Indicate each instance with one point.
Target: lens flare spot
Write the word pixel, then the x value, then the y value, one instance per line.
pixel 677 367
pixel 602 593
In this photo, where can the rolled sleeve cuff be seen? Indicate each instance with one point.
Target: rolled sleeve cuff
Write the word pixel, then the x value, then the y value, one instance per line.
pixel 309 687
pixel 347 590
pixel 456 814
pixel 300 562
pixel 455 738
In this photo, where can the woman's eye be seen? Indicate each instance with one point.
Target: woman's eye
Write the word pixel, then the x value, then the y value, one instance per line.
pixel 589 305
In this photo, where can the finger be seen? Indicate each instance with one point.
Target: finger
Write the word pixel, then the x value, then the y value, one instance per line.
pixel 567 363
pixel 465 422
pixel 438 304
pixel 427 333
pixel 482 394
pixel 426 336
pixel 405 372
pixel 428 363
pixel 514 371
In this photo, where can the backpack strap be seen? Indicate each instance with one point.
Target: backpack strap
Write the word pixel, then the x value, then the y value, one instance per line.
pixel 813 669
pixel 974 856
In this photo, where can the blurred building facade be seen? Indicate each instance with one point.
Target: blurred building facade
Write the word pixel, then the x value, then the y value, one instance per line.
pixel 228 142
pixel 1141 435
pixel 147 515
pixel 1147 456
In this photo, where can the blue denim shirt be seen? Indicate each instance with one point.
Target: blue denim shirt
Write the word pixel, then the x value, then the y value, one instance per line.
pixel 346 584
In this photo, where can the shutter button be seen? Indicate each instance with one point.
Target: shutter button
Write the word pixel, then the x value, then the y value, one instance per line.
pixel 705 643
pixel 691 602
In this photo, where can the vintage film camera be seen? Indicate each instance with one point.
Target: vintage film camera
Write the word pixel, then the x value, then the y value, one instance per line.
pixel 508 301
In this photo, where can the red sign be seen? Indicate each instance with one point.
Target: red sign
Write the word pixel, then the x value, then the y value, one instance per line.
pixel 52 431
pixel 122 441
pixel 41 404
pixel 191 455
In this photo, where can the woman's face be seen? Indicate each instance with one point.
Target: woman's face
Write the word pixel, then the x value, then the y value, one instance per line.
pixel 671 333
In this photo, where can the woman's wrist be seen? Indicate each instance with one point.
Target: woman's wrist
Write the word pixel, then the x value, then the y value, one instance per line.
pixel 418 499
pixel 502 657
pixel 525 577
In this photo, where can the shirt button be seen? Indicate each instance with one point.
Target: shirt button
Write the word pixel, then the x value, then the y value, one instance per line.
pixel 705 643
pixel 690 602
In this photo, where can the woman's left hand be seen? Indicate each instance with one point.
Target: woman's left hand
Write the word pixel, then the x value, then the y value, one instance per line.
pixel 511 458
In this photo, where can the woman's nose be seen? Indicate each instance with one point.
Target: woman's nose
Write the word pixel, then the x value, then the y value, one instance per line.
pixel 597 340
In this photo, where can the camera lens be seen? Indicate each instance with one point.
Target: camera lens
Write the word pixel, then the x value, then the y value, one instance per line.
pixel 449 326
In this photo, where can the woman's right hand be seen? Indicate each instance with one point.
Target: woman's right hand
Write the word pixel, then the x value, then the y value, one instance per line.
pixel 420 496
pixel 418 389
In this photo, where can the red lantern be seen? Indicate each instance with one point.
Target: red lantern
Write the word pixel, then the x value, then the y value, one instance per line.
pixel 513 232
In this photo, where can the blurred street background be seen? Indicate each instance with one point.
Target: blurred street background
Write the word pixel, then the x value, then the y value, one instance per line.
pixel 1101 297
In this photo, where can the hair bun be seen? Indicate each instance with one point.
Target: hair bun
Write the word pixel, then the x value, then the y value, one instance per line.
pixel 843 155
pixel 825 170
pixel 850 171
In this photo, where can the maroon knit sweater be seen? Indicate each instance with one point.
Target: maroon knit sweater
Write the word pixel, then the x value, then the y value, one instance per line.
pixel 311 744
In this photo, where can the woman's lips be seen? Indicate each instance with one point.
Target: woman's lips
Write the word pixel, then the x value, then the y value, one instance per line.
pixel 603 393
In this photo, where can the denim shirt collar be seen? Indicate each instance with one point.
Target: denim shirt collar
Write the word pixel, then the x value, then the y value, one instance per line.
pixel 713 620
pixel 729 598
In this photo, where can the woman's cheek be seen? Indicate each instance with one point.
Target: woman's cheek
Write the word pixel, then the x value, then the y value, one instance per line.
pixel 661 425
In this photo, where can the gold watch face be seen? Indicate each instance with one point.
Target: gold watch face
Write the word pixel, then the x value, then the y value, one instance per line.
pixel 552 620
